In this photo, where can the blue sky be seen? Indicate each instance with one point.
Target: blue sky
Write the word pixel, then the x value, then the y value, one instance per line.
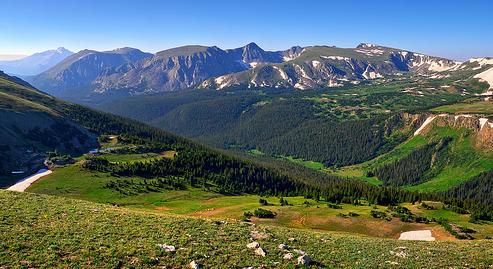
pixel 454 29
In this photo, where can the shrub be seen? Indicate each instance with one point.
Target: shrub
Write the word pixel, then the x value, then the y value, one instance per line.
pixel 334 206
pixel 264 213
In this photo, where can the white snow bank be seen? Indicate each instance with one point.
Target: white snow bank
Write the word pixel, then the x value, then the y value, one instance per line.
pixel 427 121
pixel 423 235
pixel 24 183
pixel 486 76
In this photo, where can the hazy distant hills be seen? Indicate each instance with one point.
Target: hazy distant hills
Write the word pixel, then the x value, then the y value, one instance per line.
pixel 36 63
pixel 91 76
pixel 82 69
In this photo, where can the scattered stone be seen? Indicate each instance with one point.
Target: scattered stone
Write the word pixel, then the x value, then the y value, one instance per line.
pixel 392 263
pixel 282 246
pixel 304 260
pixel 194 265
pixel 253 245
pixel 167 248
pixel 400 253
pixel 256 235
pixel 288 256
pixel 260 252
pixel 291 239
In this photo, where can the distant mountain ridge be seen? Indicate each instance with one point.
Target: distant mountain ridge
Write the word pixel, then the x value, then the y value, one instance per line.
pixel 91 75
pixel 324 66
pixel 36 63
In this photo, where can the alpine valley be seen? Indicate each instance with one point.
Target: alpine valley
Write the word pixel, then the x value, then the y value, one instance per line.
pixel 203 157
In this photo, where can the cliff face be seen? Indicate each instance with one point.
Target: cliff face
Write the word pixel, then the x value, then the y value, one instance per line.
pixel 484 138
pixel 481 128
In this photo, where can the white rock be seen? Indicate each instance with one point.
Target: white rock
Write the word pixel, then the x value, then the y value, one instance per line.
pixel 253 245
pixel 167 248
pixel 288 256
pixel 194 265
pixel 282 246
pixel 304 260
pixel 260 252
pixel 291 239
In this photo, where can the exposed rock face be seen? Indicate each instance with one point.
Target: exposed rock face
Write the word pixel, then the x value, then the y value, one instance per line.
pixel 484 138
pixel 458 121
pixel 481 128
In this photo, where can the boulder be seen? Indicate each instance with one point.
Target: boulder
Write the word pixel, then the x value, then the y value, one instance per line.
pixel 304 260
pixel 260 252
pixel 167 248
pixel 253 245
pixel 288 256
pixel 194 265
pixel 282 246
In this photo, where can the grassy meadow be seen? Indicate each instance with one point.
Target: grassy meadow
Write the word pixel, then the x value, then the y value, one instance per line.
pixel 68 233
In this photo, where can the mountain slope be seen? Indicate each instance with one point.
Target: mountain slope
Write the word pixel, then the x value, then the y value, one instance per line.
pixel 31 125
pixel 90 74
pixel 445 151
pixel 74 75
pixel 36 63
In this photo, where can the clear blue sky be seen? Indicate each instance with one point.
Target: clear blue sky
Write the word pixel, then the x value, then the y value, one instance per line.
pixel 454 29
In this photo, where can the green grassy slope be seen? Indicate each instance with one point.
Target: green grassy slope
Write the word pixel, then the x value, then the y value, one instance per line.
pixel 47 232
pixel 460 162
pixel 31 124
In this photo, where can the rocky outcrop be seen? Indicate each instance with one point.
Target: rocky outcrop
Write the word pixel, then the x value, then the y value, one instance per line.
pixel 481 128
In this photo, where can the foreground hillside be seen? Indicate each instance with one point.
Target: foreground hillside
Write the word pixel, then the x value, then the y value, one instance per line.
pixel 32 124
pixel 45 232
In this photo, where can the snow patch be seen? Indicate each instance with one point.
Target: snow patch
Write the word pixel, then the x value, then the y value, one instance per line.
pixel 300 86
pixel 481 61
pixel 334 83
pixel 281 73
pixel 253 64
pixel 370 52
pixel 370 73
pixel 337 58
pixel 423 235
pixel 316 64
pixel 302 71
pixel 486 76
pixel 427 121
pixel 24 183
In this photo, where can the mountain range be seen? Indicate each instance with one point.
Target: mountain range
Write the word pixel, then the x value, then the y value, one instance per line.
pixel 36 63
pixel 90 75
